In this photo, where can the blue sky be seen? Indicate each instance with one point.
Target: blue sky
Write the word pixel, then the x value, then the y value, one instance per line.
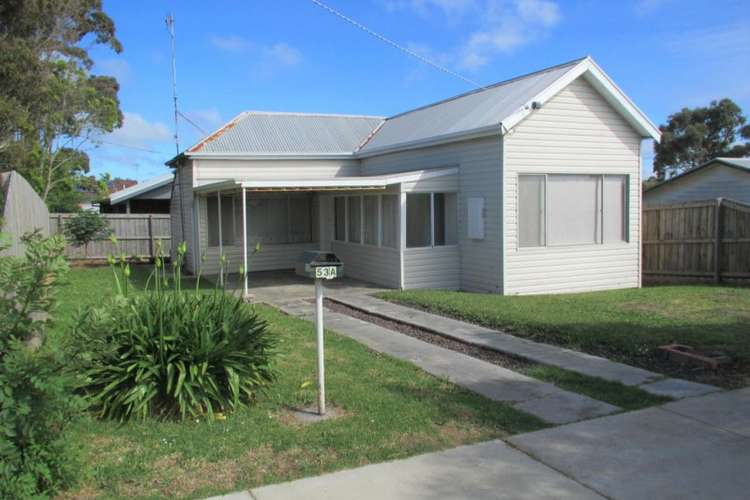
pixel 290 55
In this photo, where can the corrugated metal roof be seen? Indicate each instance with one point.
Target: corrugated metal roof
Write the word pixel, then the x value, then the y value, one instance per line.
pixel 140 188
pixel 289 133
pixel 741 163
pixel 464 113
pixel 737 162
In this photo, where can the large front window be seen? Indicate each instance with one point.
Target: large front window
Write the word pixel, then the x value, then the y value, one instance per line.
pixel 567 209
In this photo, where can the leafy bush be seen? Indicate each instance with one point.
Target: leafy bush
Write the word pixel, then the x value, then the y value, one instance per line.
pixel 36 400
pixel 172 353
pixel 85 227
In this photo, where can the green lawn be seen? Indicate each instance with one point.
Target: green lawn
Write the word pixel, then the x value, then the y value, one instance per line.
pixel 624 325
pixel 391 410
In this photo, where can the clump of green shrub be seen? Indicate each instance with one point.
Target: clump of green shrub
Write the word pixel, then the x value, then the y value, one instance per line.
pixel 172 353
pixel 85 227
pixel 36 385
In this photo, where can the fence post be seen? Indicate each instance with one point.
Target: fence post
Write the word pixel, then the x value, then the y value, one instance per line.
pixel 59 224
pixel 717 240
pixel 151 236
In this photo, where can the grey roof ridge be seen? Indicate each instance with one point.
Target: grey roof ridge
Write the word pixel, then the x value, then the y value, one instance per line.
pixel 299 113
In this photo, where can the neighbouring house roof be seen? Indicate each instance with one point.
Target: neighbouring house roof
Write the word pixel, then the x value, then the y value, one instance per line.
pixel 495 109
pixel 738 163
pixel 264 133
pixel 140 189
pixel 331 183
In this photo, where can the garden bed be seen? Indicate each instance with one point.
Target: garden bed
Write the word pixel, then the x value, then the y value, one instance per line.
pixel 622 325
pixel 390 410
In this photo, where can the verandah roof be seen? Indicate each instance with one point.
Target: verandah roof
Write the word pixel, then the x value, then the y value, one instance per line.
pixel 326 184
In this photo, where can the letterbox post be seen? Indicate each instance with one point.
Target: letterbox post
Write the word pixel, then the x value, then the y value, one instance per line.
pixel 321 356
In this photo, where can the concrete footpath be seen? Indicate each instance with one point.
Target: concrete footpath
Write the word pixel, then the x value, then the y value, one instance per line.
pixel 547 354
pixel 541 399
pixel 697 448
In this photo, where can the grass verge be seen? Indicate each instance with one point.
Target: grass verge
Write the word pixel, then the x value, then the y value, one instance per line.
pixel 390 410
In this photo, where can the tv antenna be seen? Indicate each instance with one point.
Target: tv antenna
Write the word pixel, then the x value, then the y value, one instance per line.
pixel 170 28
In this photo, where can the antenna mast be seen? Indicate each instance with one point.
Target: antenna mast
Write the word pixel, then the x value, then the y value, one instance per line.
pixel 170 28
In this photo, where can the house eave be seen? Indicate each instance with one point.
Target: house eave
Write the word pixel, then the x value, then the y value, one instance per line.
pixel 476 133
pixel 271 156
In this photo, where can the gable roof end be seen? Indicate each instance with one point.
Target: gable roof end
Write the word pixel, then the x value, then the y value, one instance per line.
pixel 598 79
pixel 742 164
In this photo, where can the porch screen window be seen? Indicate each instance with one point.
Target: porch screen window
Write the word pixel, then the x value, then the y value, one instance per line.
pixel 279 219
pixel 431 219
pixel 355 219
pixel 300 216
pixel 418 225
pixel 565 209
pixel 389 226
pixel 339 209
pixel 212 212
pixel 227 220
pixel 445 213
pixel 370 208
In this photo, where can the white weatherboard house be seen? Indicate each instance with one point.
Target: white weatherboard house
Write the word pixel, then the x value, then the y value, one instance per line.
pixel 717 178
pixel 531 185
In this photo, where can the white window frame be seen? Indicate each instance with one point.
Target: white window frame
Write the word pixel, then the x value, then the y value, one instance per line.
pixel 432 219
pixel 626 209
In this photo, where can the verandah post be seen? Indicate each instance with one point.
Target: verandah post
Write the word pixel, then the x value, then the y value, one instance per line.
pixel 244 242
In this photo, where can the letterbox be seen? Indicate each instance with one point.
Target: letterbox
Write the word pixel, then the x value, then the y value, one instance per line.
pixel 318 264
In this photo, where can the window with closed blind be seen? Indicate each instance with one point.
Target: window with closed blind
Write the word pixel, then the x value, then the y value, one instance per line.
pixel 571 209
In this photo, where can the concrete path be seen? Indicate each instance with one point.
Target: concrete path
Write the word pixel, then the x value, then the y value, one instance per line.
pixel 544 400
pixel 482 471
pixel 547 354
pixel 692 449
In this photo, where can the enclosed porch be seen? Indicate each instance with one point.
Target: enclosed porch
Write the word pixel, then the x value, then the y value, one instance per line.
pixel 395 231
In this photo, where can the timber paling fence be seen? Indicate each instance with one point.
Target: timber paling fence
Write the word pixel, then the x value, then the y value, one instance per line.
pixel 707 239
pixel 137 236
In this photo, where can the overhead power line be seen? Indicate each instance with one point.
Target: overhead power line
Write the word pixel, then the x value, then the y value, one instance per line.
pixel 126 146
pixel 395 45
pixel 191 122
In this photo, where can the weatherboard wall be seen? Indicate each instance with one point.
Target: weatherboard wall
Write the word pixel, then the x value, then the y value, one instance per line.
pixel 576 132
pixel 217 170
pixel 476 263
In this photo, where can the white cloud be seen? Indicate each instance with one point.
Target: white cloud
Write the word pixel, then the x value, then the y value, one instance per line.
pixel 509 25
pixel 138 132
pixel 119 68
pixel 644 7
pixel 424 7
pixel 231 43
pixel 282 54
pixel 268 58
pixel 499 26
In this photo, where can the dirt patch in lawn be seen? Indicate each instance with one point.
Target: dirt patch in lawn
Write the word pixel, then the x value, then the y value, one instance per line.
pixel 489 355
